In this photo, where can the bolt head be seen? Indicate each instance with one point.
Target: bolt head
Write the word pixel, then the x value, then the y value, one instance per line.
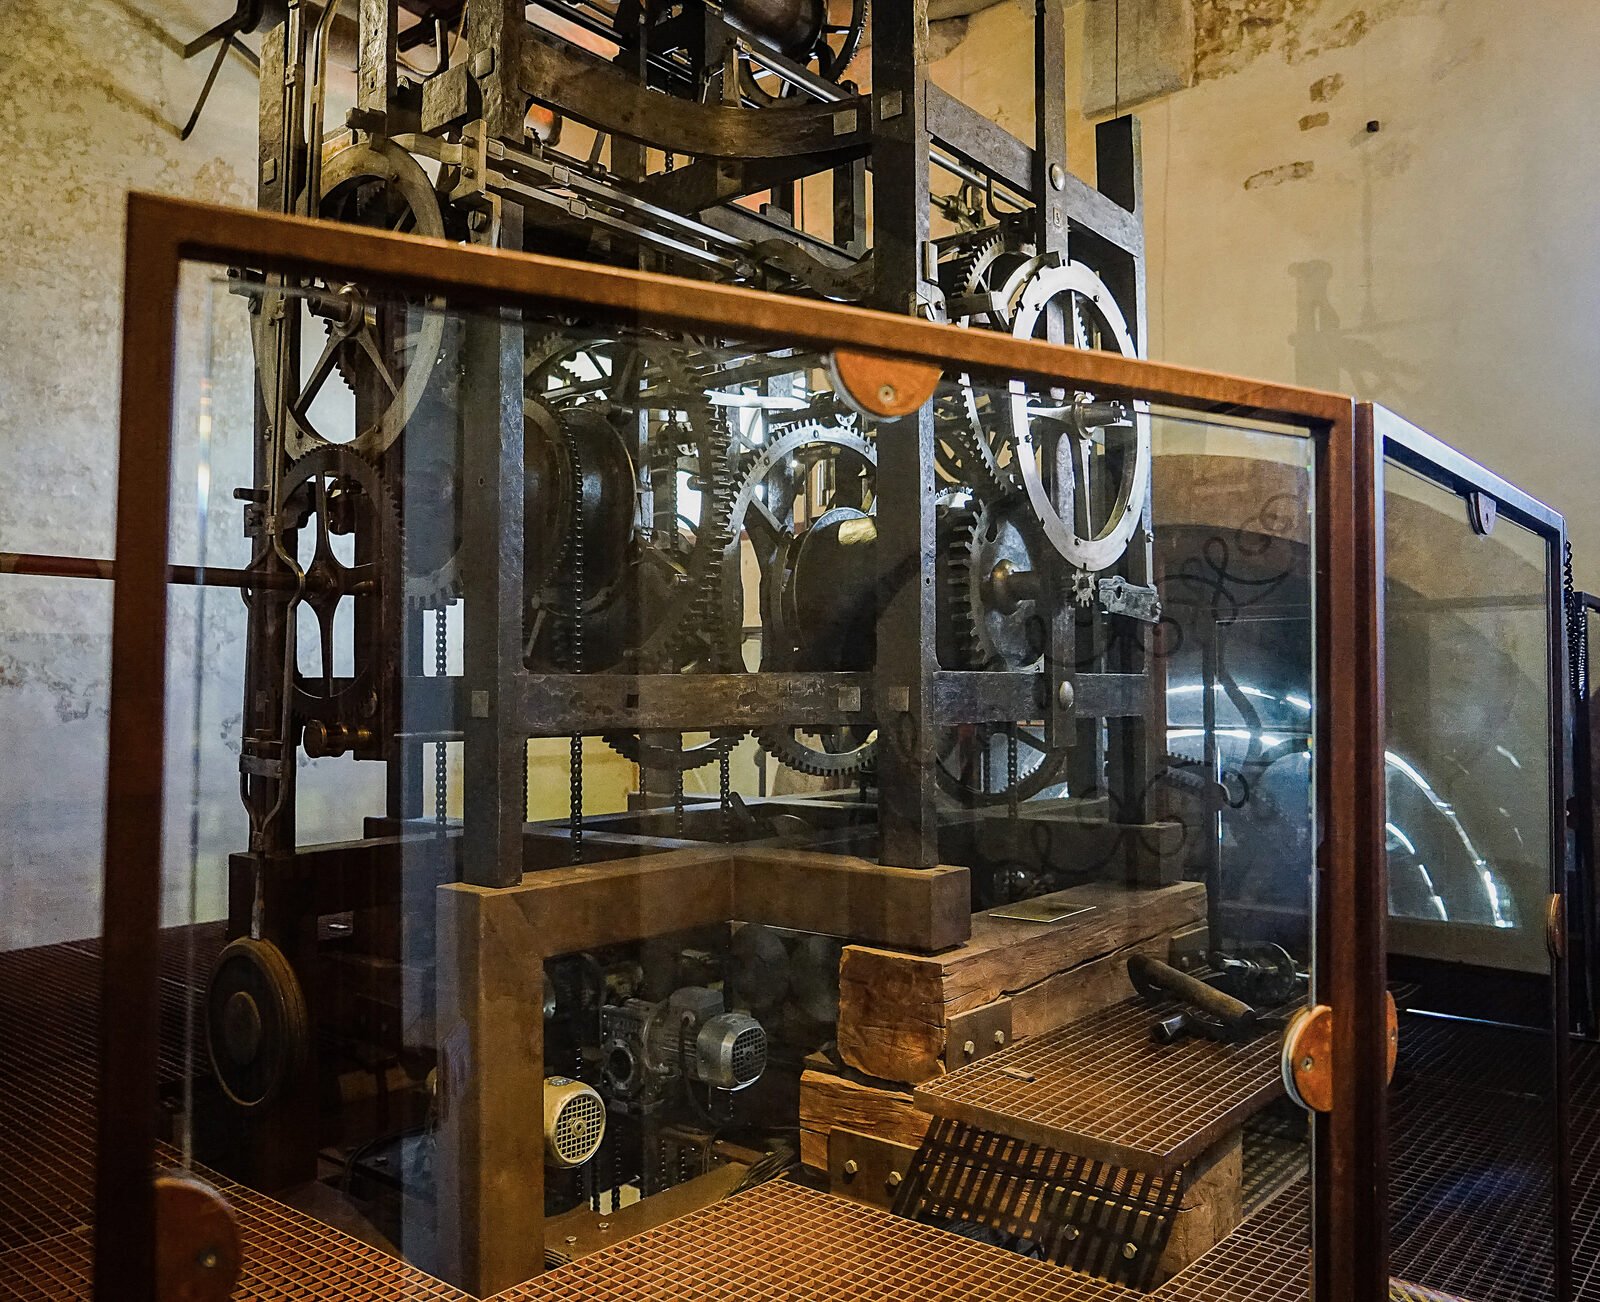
pixel 969 1048
pixel 1307 1063
pixel 894 1179
pixel 886 394
pixel 999 1037
pixel 852 1167
pixel 1130 1250
pixel 1058 176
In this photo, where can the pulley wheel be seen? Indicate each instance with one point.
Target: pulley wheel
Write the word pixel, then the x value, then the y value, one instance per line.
pixel 256 1024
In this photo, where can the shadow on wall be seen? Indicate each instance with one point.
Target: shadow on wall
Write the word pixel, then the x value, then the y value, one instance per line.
pixel 1329 355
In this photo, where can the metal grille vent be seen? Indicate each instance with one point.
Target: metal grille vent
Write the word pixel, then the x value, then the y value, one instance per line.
pixel 579 1127
pixel 749 1055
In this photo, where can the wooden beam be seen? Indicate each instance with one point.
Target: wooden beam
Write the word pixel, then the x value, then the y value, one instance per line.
pixel 585 905
pixel 1211 1208
pixel 491 1091
pixel 829 1102
pixel 1082 990
pixel 895 1008
pixel 923 909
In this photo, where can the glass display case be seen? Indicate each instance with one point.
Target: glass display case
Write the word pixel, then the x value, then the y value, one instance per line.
pixel 625 788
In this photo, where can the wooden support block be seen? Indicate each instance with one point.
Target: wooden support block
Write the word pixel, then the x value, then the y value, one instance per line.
pixel 829 1102
pixel 866 1168
pixel 895 1009
pixel 491 1090
pixel 585 905
pixel 1211 1208
pixel 1085 989
pixel 923 909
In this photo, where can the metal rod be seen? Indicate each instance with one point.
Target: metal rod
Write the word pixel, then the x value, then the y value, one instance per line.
pixel 86 567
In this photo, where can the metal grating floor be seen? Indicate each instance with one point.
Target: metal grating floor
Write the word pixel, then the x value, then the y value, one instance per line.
pixel 1469 1207
pixel 783 1243
pixel 1104 1088
pixel 48 1053
pixel 1471 1192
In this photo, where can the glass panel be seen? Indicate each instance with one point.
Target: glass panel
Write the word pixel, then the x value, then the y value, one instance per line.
pixel 1468 777
pixel 573 885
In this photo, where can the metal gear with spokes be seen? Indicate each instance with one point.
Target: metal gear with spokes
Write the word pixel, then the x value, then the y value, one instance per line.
pixel 385 349
pixel 1036 427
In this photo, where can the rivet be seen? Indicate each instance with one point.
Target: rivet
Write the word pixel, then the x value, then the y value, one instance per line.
pixel 851 1167
pixel 1307 1063
pixel 209 1259
pixel 1065 696
pixel 1058 176
pixel 886 394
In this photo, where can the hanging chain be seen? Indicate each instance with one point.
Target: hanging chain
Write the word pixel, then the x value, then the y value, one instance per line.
pixel 1577 631
pixel 1011 769
pixel 725 787
pixel 575 651
pixel 441 760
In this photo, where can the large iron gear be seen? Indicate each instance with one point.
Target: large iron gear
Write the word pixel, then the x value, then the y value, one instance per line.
pixel 1097 323
pixel 965 451
pixel 827 752
pixel 972 765
pixel 673 590
pixel 386 350
pixel 989 544
pixel 684 559
pixel 832 62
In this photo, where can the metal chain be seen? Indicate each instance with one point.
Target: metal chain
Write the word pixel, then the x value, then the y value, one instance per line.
pixel 725 787
pixel 677 796
pixel 1577 631
pixel 441 761
pixel 575 651
pixel 1011 768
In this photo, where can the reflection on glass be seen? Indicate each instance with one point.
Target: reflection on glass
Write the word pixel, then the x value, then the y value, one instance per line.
pixel 590 691
pixel 1471 1109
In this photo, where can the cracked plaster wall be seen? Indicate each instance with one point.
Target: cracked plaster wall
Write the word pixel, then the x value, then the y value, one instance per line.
pixel 1444 265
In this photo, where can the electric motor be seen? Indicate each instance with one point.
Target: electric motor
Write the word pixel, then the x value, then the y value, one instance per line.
pixel 574 1122
pixel 688 1034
